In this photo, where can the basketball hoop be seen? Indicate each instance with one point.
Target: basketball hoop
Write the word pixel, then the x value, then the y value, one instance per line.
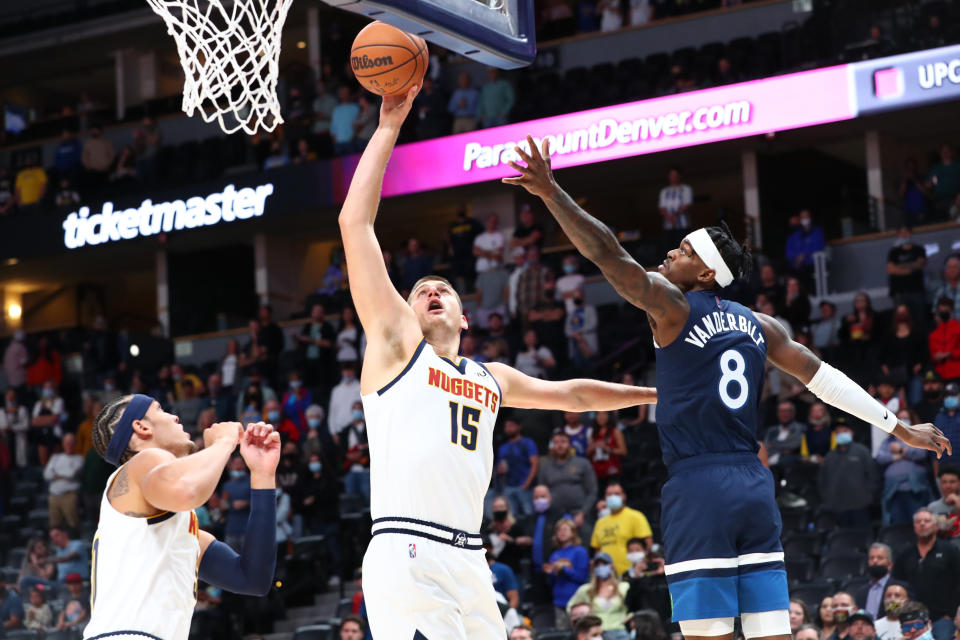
pixel 230 52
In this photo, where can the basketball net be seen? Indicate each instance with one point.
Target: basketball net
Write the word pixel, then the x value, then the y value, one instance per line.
pixel 230 52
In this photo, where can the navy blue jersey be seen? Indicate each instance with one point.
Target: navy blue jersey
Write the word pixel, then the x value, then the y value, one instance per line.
pixel 709 381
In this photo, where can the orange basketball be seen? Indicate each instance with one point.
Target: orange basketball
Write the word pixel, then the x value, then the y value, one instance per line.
pixel 386 60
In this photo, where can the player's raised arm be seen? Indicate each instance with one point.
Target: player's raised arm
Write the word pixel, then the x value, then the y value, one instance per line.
pixel 663 301
pixel 385 316
pixel 580 394
pixel 836 389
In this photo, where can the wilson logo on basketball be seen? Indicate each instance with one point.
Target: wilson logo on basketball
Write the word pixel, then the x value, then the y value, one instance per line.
pixel 366 62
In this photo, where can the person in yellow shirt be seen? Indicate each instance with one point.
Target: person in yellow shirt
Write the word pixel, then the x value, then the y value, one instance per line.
pixel 91 408
pixel 612 531
pixel 31 184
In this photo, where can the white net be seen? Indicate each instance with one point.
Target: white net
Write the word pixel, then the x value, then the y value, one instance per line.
pixel 230 52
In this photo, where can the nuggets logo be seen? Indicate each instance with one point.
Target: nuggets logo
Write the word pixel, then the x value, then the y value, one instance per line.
pixel 463 388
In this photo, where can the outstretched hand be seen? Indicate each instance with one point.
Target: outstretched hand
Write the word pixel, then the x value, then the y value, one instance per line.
pixel 924 436
pixel 394 109
pixel 537 176
pixel 260 448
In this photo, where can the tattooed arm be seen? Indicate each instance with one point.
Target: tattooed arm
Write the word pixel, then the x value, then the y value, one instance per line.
pixel 663 302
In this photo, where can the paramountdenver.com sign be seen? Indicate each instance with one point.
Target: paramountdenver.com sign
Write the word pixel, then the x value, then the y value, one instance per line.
pixel 110 225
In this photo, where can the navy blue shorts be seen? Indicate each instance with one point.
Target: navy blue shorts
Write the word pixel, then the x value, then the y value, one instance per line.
pixel 721 534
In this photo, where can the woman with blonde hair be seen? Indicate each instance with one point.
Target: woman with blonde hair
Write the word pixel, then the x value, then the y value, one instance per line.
pixel 607 593
pixel 567 568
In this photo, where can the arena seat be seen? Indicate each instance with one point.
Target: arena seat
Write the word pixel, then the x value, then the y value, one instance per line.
pixel 897 536
pixel 842 567
pixel 794 519
pixel 850 540
pixel 812 593
pixel 802 544
pixel 799 569
pixel 315 632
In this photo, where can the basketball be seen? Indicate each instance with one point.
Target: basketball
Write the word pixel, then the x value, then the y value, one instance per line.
pixel 388 61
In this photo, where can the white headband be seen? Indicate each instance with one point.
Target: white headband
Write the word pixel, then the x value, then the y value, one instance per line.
pixel 702 243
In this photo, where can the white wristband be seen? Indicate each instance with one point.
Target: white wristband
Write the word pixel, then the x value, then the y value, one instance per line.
pixel 836 389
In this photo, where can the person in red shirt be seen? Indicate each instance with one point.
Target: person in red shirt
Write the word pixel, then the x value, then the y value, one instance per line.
pixel 945 341
pixel 46 366
pixel 605 448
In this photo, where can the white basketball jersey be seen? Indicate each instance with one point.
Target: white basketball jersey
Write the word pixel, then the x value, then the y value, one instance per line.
pixel 430 433
pixel 143 573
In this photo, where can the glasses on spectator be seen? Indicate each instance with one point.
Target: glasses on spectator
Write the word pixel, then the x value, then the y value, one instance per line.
pixel 907 627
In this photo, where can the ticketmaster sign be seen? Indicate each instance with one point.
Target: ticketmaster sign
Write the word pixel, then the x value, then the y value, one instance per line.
pixel 110 225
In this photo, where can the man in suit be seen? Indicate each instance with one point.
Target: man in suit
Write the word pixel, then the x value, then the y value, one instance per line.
pixel 879 567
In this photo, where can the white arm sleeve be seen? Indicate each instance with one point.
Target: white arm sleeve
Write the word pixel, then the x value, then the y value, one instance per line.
pixel 836 389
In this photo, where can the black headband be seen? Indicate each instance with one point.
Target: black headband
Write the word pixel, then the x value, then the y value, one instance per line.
pixel 121 435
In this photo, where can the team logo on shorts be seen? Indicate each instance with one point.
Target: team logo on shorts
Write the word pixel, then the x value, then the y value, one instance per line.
pixel 412 550
pixel 460 540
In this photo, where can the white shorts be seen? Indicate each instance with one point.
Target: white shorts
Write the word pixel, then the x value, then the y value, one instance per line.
pixel 411 585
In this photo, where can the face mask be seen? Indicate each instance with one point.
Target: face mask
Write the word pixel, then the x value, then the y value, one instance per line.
pixel 176 377
pixel 108 387
pixel 315 467
pixel 931 394
pixel 950 403
pixel 877 571
pixel 295 384
pixel 892 607
pixel 840 615
pixel 273 416
pixel 906 421
pixel 844 438
pixel 11 404
pixel 540 504
pixel 357 415
pixel 943 315
pixel 805 223
pixel 603 513
pixel 633 634
pixel 499 516
pixel 615 502
pixel 47 393
pixel 569 268
pixel 313 422
pixel 603 571
pixel 636 556
pixel 578 302
pixel 237 474
pixel 818 421
pixel 903 317
pixel 926 635
pixel 899 242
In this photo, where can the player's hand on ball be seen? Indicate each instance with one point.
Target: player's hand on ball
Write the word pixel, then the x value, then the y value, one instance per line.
pixel 229 431
pixel 394 109
pixel 260 448
pixel 537 176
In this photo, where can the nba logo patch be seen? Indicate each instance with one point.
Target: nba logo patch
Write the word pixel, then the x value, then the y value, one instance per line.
pixel 412 550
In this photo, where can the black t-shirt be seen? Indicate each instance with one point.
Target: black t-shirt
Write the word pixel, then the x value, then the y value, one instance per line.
pixel 463 232
pixel 906 254
pixel 522 232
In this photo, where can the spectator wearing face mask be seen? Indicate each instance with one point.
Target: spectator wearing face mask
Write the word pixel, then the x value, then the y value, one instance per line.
pixel 844 606
pixel 847 480
pixel 540 530
pixel 932 568
pixel 915 622
pixel 905 486
pixel 506 536
pixel 611 532
pixel 295 402
pixel 947 508
pixel 879 564
pixel 648 582
pixel 342 399
pixel 318 499
pixel 905 263
pixel 802 244
pixel 894 598
pixel 948 421
pixel 356 454
pixel 944 341
pixel 606 592
pixel 236 497
pixel 784 440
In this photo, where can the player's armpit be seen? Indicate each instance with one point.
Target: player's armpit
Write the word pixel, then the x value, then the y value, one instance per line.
pixel 524 392
pixel 790 356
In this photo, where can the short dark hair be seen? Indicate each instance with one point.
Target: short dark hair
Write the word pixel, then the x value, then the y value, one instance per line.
pixel 586 623
pixel 354 618
pixel 636 541
pixel 945 301
pixel 949 469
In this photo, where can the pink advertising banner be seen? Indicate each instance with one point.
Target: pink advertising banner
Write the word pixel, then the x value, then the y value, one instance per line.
pixel 698 117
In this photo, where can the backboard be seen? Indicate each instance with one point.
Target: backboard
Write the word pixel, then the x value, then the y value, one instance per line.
pixel 499 33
